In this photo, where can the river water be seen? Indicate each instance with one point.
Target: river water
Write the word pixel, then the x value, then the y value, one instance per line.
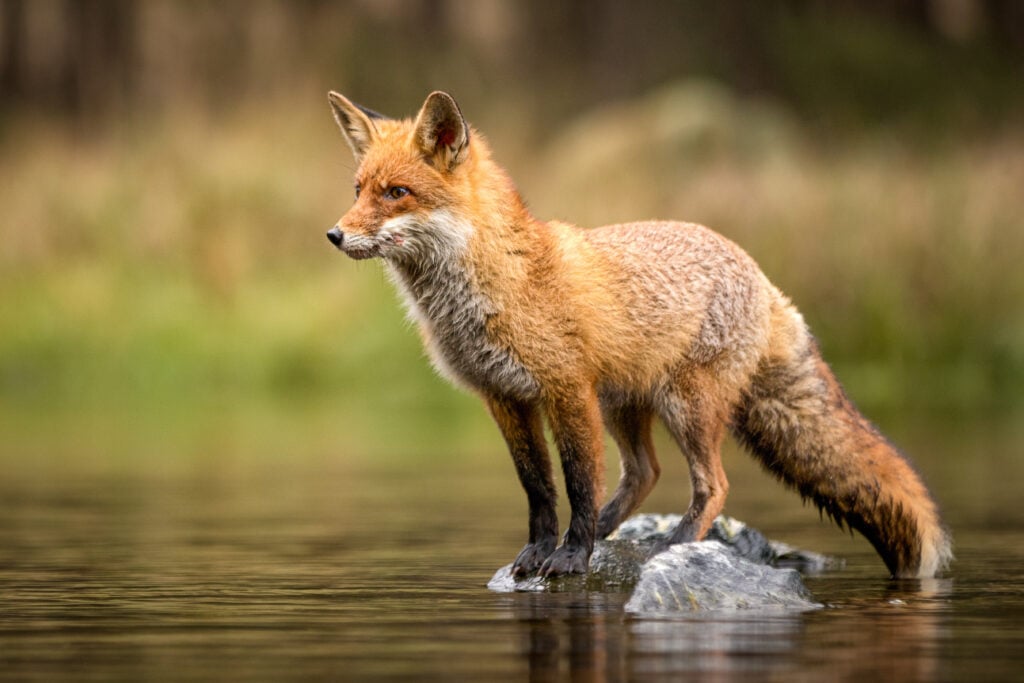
pixel 295 557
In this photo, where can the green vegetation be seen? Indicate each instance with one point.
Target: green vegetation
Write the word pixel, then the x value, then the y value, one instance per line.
pixel 168 170
pixel 184 263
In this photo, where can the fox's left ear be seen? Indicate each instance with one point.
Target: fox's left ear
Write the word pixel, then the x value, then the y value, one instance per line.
pixel 441 132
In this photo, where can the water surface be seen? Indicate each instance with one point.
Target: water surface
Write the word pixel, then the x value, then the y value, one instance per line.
pixel 293 558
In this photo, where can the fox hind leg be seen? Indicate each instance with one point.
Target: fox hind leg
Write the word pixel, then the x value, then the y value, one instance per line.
pixel 630 427
pixel 698 428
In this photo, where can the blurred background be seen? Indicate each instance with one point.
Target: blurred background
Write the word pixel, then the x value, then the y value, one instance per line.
pixel 168 170
pixel 222 448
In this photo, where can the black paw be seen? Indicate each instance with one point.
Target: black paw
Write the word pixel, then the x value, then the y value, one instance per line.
pixel 659 546
pixel 685 532
pixel 566 560
pixel 530 559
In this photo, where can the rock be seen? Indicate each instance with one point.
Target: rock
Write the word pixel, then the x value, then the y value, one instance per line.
pixel 804 561
pixel 694 577
pixel 731 569
pixel 745 540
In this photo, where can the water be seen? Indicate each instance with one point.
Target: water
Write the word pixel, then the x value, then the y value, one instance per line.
pixel 220 557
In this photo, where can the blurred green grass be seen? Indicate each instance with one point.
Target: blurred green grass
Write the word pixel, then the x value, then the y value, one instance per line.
pixel 180 261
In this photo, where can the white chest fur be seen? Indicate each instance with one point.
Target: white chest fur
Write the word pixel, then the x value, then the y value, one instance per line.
pixel 444 299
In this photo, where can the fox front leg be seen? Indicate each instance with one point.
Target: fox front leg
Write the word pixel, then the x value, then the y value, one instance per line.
pixel 520 424
pixel 576 422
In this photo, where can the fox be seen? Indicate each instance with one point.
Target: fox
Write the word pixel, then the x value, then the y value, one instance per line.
pixel 612 328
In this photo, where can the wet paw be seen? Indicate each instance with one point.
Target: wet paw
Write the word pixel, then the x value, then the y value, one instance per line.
pixel 530 559
pixel 685 532
pixel 566 560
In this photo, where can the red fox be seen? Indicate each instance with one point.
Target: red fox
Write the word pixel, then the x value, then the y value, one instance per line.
pixel 611 328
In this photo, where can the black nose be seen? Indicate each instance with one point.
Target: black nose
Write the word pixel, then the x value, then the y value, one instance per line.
pixel 336 236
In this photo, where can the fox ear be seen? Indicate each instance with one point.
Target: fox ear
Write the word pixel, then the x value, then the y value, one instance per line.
pixel 441 132
pixel 356 123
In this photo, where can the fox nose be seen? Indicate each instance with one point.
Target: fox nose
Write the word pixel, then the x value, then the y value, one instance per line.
pixel 336 236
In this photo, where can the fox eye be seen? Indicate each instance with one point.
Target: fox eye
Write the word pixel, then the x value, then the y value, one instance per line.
pixel 359 188
pixel 396 192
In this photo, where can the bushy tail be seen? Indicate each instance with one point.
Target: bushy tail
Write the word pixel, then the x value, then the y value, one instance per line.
pixel 798 421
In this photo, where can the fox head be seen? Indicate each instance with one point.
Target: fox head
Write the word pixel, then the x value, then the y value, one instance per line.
pixel 410 180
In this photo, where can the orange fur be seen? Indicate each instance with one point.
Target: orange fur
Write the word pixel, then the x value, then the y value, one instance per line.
pixel 615 325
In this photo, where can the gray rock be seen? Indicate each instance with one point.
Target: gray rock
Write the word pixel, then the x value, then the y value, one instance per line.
pixel 804 561
pixel 744 540
pixel 731 569
pixel 695 577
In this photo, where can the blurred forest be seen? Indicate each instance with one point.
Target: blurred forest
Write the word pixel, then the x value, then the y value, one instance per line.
pixel 168 170
pixel 846 61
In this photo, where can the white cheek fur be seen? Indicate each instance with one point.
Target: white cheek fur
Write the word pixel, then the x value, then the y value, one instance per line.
pixel 416 235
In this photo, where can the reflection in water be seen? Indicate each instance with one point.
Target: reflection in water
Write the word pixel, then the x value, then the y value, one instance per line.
pixel 730 646
pixel 300 565
pixel 588 638
pixel 578 635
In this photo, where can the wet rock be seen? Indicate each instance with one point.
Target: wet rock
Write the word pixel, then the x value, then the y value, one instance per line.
pixel 804 561
pixel 731 569
pixel 744 540
pixel 695 577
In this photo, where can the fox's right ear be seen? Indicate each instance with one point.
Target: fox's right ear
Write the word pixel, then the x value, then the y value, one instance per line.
pixel 356 123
